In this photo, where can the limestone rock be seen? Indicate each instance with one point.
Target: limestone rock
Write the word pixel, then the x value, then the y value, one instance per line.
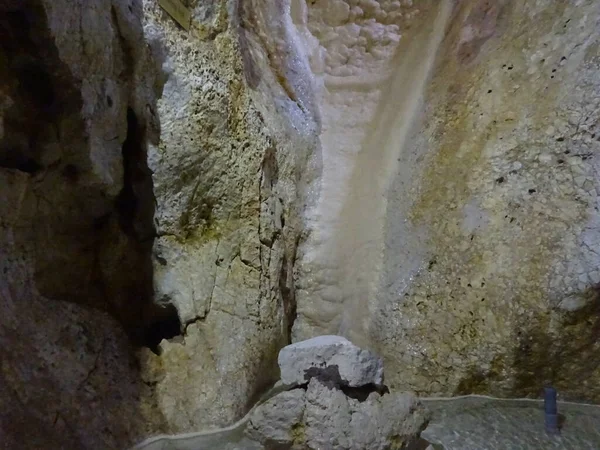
pixel 327 414
pixel 277 423
pixel 324 418
pixel 399 419
pixel 178 217
pixel 327 417
pixel 465 251
pixel 380 422
pixel 330 357
pixel 230 171
pixel 78 87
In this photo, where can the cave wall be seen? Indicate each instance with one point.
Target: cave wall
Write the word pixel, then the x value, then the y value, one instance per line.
pixel 152 184
pixel 503 208
pixel 486 271
pixel 78 95
pixel 167 216
pixel 230 172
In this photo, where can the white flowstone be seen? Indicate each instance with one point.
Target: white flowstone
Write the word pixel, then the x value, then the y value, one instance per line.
pixel 301 361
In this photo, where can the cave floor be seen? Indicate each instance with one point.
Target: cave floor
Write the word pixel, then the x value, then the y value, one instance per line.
pixel 479 423
pixel 468 423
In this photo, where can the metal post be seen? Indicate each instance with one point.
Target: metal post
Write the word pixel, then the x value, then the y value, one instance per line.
pixel 551 411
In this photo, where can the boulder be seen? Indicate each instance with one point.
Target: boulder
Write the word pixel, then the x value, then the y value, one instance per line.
pixel 327 418
pixel 275 423
pixel 333 358
pixel 335 401
pixel 324 418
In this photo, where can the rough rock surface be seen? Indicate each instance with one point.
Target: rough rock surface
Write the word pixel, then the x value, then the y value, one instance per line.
pixel 277 422
pixel 237 135
pixel 353 366
pixel 324 418
pixel 485 273
pixel 504 295
pixel 487 267
pixel 77 94
pixel 172 219
pixel 324 414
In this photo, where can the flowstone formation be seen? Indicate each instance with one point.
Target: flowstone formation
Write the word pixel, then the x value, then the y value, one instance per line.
pixel 474 266
pixel 338 402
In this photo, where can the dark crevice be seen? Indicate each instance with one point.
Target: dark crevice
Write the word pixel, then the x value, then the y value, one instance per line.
pixel 330 377
pixel 288 297
pixel 14 160
pixel 146 322
pixel 36 84
pixel 362 393
pixel 288 289
pixel 189 322
pixel 127 204
pixel 166 325
pixel 32 76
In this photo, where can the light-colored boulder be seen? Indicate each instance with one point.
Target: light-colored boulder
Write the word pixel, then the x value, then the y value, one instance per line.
pixel 325 418
pixel 277 423
pixel 331 358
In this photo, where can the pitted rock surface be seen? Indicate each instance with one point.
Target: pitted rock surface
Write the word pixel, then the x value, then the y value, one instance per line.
pixel 333 359
pixel 324 418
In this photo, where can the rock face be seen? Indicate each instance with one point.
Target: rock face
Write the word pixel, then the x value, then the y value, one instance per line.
pixel 77 97
pixel 164 224
pixel 238 132
pixel 334 357
pixel 150 185
pixel 474 268
pixel 505 212
pixel 323 416
pixel 278 422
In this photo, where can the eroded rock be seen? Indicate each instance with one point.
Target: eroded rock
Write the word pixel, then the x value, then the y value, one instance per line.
pixel 484 239
pixel 78 88
pixel 321 415
pixel 324 418
pixel 237 133
pixel 332 359
pixel 278 422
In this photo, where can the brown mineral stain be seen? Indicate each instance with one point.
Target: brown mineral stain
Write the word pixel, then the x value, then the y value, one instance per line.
pixel 481 24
